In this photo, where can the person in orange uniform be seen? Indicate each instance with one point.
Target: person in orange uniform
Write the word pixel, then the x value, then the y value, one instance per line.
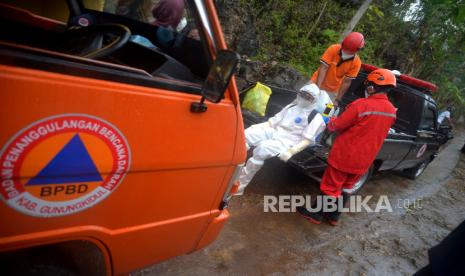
pixel 340 64
pixel 361 128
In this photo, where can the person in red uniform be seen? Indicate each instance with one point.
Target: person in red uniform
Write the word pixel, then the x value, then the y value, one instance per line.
pixel 361 129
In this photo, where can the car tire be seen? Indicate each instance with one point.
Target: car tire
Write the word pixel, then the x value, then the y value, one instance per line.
pixel 415 172
pixel 361 182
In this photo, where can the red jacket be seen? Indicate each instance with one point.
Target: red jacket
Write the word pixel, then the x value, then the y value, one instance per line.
pixel 361 128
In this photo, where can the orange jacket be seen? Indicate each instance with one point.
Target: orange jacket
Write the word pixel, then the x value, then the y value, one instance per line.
pixel 338 69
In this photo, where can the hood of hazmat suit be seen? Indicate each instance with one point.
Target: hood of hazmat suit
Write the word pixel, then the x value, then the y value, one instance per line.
pixel 321 98
pixel 308 96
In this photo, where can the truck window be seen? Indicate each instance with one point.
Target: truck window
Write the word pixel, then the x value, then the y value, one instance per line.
pixel 405 102
pixel 402 97
pixel 179 29
pixel 428 121
pixel 154 52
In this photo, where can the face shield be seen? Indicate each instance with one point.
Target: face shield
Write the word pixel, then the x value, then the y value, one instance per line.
pixel 306 96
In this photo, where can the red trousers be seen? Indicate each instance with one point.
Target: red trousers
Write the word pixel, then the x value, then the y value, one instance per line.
pixel 335 180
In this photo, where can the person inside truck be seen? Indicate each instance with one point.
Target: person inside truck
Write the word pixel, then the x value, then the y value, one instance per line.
pixel 340 64
pixel 361 129
pixel 445 115
pixel 170 19
pixel 168 13
pixel 290 131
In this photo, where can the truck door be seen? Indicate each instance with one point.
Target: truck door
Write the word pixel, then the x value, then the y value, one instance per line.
pixel 401 139
pixel 395 148
pixel 425 143
pixel 109 148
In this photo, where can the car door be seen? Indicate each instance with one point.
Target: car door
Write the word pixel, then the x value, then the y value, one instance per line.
pixel 425 143
pixel 401 138
pixel 395 148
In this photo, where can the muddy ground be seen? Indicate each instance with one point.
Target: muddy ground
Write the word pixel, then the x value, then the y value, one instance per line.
pixel 254 242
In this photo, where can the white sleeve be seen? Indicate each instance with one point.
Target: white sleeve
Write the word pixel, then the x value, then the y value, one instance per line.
pixel 323 99
pixel 314 128
pixel 447 114
pixel 279 116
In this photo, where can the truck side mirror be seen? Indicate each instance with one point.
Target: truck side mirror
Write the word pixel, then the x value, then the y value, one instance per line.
pixel 218 79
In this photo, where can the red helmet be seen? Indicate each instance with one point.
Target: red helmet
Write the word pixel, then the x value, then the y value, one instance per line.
pixel 353 42
pixel 382 77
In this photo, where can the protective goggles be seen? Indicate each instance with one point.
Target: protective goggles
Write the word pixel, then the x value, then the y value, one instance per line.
pixel 305 95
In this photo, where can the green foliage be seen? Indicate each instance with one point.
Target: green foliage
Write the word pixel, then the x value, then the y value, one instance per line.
pixel 330 35
pixel 284 30
pixel 423 38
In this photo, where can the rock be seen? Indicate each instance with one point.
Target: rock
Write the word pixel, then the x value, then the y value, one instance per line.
pixel 277 75
pixel 238 26
pixel 241 36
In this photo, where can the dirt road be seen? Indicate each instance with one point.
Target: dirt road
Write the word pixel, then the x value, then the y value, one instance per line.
pixel 254 242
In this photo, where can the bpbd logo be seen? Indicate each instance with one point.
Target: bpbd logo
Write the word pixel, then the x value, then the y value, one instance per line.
pixel 62 165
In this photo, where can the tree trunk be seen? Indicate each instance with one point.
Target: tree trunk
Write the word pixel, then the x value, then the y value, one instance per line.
pixel 356 18
pixel 318 19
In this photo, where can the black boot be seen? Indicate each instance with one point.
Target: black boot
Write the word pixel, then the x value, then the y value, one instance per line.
pixel 333 217
pixel 313 217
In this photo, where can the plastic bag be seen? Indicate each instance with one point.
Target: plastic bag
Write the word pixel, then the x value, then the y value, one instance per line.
pixel 257 98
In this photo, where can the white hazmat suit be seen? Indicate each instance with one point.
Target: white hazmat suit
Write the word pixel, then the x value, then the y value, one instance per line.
pixel 285 134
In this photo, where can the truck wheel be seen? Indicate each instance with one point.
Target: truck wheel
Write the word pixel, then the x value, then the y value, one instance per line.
pixel 359 184
pixel 415 172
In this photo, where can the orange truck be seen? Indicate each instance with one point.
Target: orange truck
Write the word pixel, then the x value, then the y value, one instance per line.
pixel 120 140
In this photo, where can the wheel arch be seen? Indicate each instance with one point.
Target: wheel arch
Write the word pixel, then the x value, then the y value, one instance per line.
pixel 377 164
pixel 82 256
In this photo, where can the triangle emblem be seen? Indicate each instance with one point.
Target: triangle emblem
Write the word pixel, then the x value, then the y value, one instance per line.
pixel 72 164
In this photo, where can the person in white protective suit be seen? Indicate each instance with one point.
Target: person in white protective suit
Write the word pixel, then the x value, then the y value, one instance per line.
pixel 283 135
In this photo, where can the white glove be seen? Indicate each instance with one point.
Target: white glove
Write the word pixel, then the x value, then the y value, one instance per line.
pixel 285 156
